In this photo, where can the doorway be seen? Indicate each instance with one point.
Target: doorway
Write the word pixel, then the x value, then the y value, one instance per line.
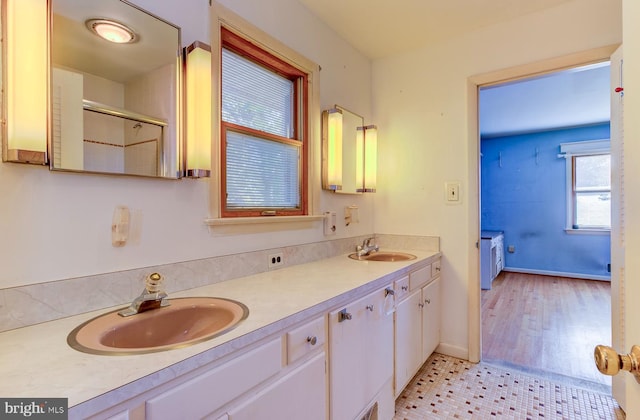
pixel 546 298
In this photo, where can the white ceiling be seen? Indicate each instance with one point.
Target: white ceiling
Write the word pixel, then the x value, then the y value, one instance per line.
pixel 380 28
pixel 569 98
pixel 74 46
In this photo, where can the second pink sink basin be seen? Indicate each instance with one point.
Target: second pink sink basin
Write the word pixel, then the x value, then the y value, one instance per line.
pixel 384 256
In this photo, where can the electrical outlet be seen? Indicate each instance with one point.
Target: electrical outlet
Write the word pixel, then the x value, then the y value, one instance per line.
pixel 276 260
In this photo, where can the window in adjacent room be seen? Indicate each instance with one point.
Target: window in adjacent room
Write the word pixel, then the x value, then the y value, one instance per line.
pixel 588 185
pixel 592 191
pixel 264 132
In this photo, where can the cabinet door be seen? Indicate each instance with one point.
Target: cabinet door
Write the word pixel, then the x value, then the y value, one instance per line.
pixel 407 340
pixel 360 353
pixel 298 395
pixel 430 318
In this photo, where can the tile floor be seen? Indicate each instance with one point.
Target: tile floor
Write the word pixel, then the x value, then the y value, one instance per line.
pixel 450 388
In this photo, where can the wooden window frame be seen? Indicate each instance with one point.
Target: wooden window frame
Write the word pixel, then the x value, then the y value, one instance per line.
pixel 301 132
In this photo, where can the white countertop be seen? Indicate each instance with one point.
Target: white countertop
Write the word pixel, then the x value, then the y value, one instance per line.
pixel 36 361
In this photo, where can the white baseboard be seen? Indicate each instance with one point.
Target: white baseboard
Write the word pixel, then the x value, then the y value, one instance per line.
pixel 558 274
pixel 453 351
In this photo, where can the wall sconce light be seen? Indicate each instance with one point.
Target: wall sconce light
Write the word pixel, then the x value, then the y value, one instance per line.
pixel 198 110
pixel 366 158
pixel 26 68
pixel 112 31
pixel 332 149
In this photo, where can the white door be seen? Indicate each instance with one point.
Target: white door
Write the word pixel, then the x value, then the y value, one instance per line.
pixel 625 239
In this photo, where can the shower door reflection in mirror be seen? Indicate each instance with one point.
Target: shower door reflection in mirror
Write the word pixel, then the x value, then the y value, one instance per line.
pixel 115 106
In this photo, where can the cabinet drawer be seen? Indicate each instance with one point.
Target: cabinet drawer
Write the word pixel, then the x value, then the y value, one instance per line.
pixel 420 277
pixel 401 287
pixel 435 268
pixel 305 339
pixel 206 393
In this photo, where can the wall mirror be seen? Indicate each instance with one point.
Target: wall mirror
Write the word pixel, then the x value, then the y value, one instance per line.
pixel 349 167
pixel 116 104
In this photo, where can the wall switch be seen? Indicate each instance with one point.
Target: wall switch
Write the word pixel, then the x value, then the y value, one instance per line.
pixel 276 260
pixel 329 223
pixel 452 191
pixel 511 249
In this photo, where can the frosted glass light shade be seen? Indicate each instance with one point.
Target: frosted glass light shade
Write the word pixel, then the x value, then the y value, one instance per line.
pixel 370 159
pixel 360 159
pixel 26 66
pixel 332 148
pixel 198 110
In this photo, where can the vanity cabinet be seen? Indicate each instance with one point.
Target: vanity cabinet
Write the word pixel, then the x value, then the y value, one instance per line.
pixel 360 353
pixel 417 321
pixel 347 361
pixel 284 377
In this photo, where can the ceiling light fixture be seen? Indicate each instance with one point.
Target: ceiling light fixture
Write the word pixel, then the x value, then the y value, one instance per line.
pixel 112 31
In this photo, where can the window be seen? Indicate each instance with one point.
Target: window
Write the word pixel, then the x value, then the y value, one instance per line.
pixel 264 132
pixel 592 191
pixel 588 185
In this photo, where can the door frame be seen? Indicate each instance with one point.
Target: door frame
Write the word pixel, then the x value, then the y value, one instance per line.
pixel 473 84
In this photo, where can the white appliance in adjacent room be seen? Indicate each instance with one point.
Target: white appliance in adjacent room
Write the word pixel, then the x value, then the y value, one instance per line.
pixel 491 256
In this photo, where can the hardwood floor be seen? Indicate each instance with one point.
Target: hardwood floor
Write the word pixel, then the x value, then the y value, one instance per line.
pixel 546 323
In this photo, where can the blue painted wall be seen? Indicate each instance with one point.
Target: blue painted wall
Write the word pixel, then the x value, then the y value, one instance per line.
pixel 526 199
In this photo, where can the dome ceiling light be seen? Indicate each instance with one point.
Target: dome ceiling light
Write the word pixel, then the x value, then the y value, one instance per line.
pixel 112 31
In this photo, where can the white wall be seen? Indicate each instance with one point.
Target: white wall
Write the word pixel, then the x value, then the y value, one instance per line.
pixel 56 225
pixel 420 106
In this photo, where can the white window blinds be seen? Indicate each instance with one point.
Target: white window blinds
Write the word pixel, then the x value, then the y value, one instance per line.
pixel 262 164
pixel 261 173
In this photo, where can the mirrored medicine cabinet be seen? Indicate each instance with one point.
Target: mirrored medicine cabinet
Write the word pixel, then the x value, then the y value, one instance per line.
pixel 115 101
pixel 350 121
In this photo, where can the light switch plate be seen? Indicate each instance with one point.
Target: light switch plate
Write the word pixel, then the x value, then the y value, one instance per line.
pixel 452 192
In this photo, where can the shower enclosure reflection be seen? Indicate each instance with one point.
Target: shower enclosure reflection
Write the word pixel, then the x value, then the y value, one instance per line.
pixel 115 104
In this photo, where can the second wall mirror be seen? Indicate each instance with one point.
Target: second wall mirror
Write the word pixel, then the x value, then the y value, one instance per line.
pixel 116 96
pixel 349 152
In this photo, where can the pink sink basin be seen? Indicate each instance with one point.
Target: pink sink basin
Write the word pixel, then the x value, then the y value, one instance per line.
pixel 384 256
pixel 186 321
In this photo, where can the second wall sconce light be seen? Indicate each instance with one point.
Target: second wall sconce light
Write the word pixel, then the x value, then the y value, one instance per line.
pixel 367 152
pixel 197 58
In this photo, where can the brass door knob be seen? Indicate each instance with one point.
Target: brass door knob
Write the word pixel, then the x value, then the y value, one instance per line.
pixel 609 362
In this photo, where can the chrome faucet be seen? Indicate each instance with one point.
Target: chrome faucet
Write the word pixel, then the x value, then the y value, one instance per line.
pixel 152 297
pixel 368 246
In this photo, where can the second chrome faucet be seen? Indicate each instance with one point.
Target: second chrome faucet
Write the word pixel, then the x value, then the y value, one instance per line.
pixel 368 245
